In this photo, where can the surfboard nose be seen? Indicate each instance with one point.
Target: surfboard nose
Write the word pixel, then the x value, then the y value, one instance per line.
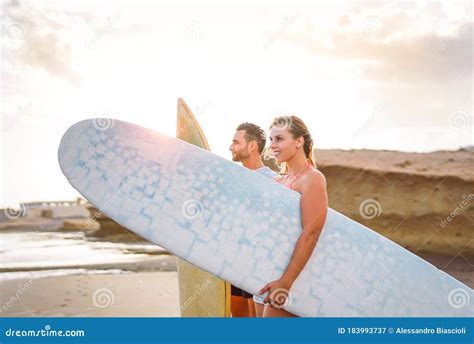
pixel 72 149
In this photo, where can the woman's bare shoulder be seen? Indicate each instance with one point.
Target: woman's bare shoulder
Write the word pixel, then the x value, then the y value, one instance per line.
pixel 314 178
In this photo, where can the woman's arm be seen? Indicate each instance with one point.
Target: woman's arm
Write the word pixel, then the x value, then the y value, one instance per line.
pixel 314 204
pixel 314 207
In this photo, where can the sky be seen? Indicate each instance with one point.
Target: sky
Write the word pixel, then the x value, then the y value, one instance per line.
pixel 366 74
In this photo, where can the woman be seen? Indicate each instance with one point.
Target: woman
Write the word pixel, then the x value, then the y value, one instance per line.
pixel 292 145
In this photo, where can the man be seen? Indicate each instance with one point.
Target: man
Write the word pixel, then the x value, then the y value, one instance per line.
pixel 247 147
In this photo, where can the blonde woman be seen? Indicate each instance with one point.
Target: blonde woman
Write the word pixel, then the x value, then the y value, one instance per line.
pixel 291 144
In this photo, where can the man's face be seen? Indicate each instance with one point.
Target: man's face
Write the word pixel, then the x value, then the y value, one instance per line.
pixel 239 147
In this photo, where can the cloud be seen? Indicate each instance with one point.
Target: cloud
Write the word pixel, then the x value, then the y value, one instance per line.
pixel 426 58
pixel 50 37
pixel 32 41
pixel 399 45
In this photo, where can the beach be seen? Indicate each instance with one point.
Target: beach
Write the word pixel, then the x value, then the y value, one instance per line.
pixel 135 294
pixel 75 263
pixel 48 269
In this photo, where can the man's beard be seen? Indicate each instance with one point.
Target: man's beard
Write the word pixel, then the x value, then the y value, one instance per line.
pixel 239 156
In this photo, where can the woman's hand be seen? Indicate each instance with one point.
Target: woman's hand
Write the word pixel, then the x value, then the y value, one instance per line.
pixel 278 292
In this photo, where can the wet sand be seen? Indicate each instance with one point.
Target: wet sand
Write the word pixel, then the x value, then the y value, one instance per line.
pixel 133 294
pixel 139 294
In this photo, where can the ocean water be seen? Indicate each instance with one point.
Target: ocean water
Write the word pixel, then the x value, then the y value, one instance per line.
pixel 38 254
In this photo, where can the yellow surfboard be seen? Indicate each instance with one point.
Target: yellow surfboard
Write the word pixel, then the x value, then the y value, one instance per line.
pixel 201 294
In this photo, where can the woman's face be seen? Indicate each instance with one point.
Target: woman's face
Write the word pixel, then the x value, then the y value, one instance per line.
pixel 283 144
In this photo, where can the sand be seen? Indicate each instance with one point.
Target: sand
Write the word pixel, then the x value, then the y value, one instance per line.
pixel 135 294
pixel 142 294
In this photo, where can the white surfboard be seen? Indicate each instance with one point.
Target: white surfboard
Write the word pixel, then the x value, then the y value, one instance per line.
pixel 242 227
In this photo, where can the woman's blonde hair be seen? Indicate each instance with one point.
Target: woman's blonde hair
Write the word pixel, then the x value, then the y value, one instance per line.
pixel 298 129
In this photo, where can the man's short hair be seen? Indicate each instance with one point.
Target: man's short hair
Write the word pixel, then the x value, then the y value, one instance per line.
pixel 254 132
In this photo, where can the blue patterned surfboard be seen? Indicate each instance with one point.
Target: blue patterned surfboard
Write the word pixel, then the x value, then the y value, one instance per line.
pixel 242 227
